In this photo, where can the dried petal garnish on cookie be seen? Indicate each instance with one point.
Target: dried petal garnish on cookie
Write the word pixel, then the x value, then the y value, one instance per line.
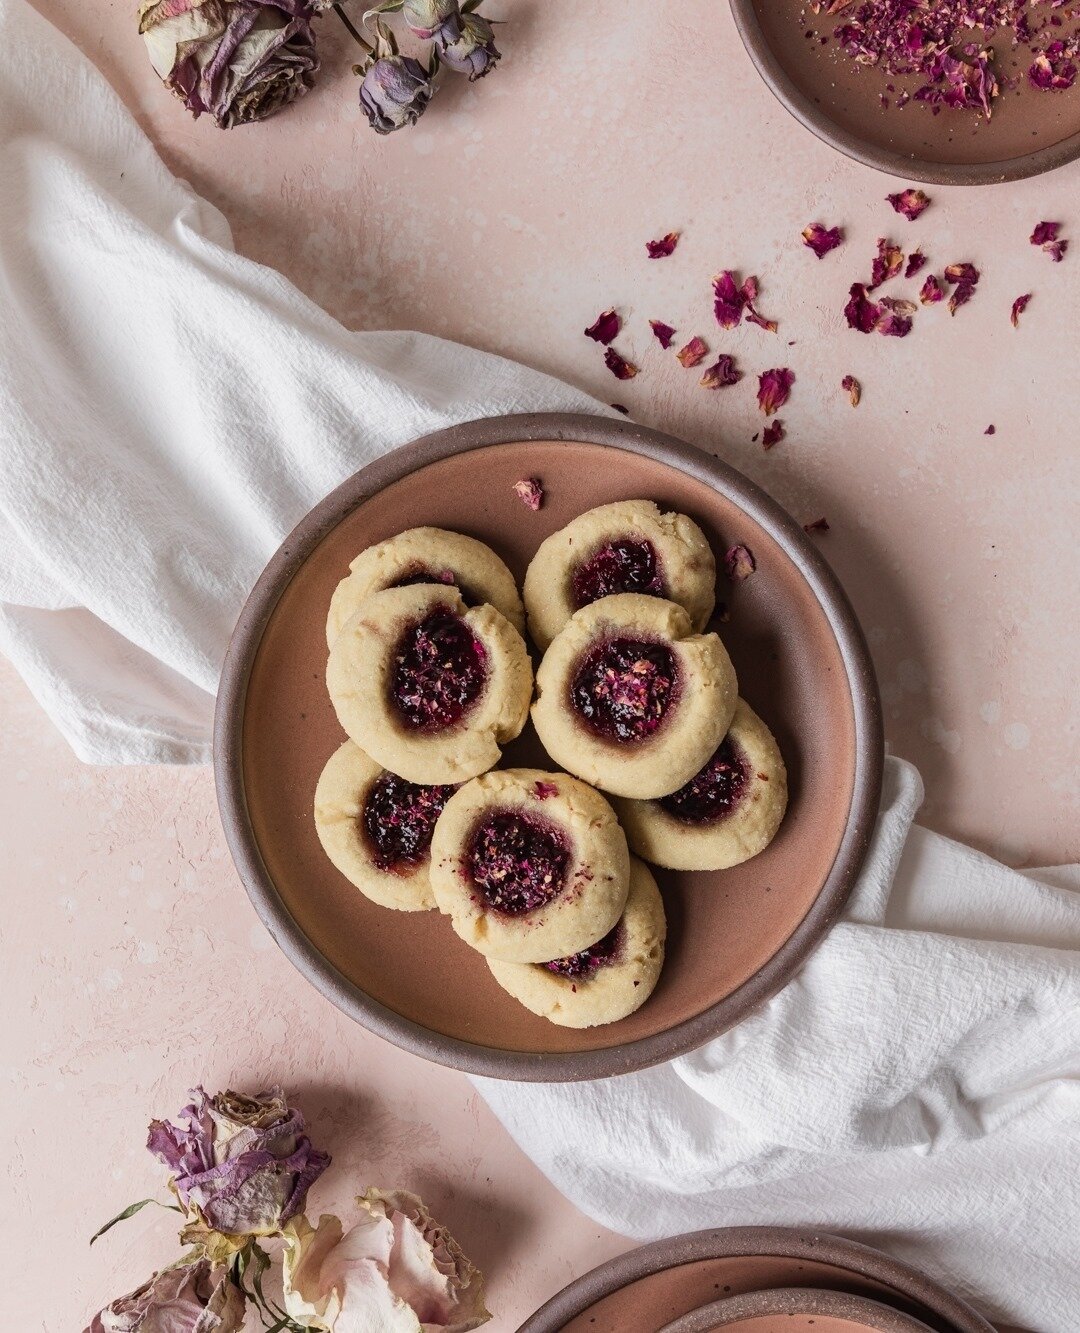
pixel 693 353
pixel 618 365
pixel 529 865
pixel 664 332
pixel 910 203
pixel 530 492
pixel 822 239
pixel 605 327
pixel 663 247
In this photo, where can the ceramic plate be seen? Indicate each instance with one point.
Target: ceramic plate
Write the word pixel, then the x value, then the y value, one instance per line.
pixel 649 1288
pixel 1030 130
pixel 734 938
pixel 796 1310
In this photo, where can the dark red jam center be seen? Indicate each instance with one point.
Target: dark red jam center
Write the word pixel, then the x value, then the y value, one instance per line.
pixel 439 671
pixel 398 819
pixel 627 565
pixel 624 687
pixel 601 954
pixel 714 792
pixel 517 861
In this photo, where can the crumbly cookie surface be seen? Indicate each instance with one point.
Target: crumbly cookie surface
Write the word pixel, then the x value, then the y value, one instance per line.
pixel 427 555
pixel 630 699
pixel 529 865
pixel 431 689
pixel 727 813
pixel 376 828
pixel 628 546
pixel 607 982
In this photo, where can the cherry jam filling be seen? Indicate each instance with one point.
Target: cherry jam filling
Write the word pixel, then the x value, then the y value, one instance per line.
pixel 623 688
pixel 398 820
pixel 630 564
pixel 601 954
pixel 517 861
pixel 713 793
pixel 439 671
pixel 421 574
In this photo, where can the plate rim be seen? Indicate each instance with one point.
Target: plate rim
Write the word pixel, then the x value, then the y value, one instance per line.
pixel 747 1242
pixel 812 1300
pixel 823 127
pixel 453 1052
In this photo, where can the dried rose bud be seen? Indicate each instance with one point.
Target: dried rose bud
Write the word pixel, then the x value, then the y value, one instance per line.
pixel 693 353
pixel 1018 308
pixel 663 247
pixel 772 434
pixel 619 366
pixel 852 388
pixel 190 1297
pixel 472 51
pixel 530 492
pixel 428 18
pixel 237 60
pixel 395 92
pixel 739 562
pixel 664 332
pixel 604 327
pixel 774 389
pixel 822 239
pixel 722 374
pixel 911 203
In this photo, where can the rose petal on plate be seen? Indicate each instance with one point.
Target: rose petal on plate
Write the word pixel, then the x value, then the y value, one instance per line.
pixel 720 375
pixel 739 562
pixel 664 332
pixel 605 327
pixel 818 525
pixel 618 365
pixel 852 388
pixel 693 353
pixel 910 202
pixel 530 492
pixel 664 246
pixel 774 389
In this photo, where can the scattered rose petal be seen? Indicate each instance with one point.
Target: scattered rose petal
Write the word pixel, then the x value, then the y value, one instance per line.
pixel 1045 232
pixel 739 562
pixel 931 291
pixel 860 312
pixel 529 491
pixel 605 327
pixel 822 239
pixel 990 430
pixel 665 246
pixel 728 300
pixel 852 388
pixel 772 434
pixel 620 407
pixel 723 373
pixel 888 262
pixel 962 83
pixel 965 277
pixel 911 203
pixel 818 525
pixel 619 366
pixel 915 262
pixel 664 332
pixel 1018 308
pixel 774 389
pixel 750 294
pixel 893 325
pixel 693 353
pixel 1053 70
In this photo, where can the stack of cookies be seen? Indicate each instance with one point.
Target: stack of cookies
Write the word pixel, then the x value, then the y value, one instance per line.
pixel 430 677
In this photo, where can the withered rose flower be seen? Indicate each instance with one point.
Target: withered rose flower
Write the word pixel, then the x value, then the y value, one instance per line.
pixel 394 92
pixel 431 18
pixel 471 50
pixel 396 1270
pixel 188 1298
pixel 237 60
pixel 242 1165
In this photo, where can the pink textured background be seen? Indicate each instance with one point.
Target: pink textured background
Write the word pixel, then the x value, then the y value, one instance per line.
pixel 508 218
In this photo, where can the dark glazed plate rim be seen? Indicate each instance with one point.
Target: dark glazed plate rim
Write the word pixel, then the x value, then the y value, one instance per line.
pixel 819 123
pixel 467 1056
pixel 751 1242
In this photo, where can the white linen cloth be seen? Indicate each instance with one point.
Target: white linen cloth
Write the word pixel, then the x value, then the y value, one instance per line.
pixel 169 410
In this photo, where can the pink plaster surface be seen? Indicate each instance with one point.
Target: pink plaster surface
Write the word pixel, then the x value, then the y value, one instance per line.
pixel 515 212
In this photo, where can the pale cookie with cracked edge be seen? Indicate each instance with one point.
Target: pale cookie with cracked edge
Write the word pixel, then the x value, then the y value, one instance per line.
pixel 429 688
pixel 607 981
pixel 726 813
pixel 628 546
pixel 529 865
pixel 629 699
pixel 376 828
pixel 427 555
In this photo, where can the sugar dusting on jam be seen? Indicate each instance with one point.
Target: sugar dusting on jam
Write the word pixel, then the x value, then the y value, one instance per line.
pixel 628 564
pixel 439 672
pixel 589 961
pixel 623 688
pixel 517 861
pixel 714 792
pixel 398 820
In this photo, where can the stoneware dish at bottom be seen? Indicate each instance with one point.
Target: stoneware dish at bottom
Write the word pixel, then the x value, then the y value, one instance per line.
pixel 797 1310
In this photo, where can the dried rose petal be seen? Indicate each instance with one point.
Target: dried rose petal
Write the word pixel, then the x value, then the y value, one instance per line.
pixel 888 262
pixel 1045 232
pixel 894 325
pixel 693 353
pixel 960 83
pixel 620 407
pixel 750 295
pixel 860 312
pixel 723 373
pixel 911 203
pixel 774 389
pixel 739 562
pixel 1057 250
pixel 529 491
pixel 619 366
pixel 916 260
pixel 822 239
pixel 1052 69
pixel 966 277
pixel 931 291
pixel 852 388
pixel 772 434
pixel 898 305
pixel 990 430
pixel 605 327
pixel 1018 308
pixel 818 525
pixel 664 332
pixel 665 246
pixel 728 300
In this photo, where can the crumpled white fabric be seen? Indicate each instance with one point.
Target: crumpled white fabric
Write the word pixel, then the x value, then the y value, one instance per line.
pixel 168 411
pixel 916 1087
